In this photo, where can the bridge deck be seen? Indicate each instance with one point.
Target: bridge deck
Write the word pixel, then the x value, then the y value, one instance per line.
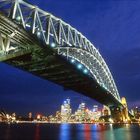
pixel 56 69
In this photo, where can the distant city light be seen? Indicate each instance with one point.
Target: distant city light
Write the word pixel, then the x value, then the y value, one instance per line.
pixel 65 102
pixel 79 66
pixel 38 116
pixel 65 115
pixel 53 45
pixel 111 120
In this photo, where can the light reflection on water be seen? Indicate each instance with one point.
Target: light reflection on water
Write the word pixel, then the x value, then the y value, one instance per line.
pixel 7 133
pixel 96 132
pixel 37 132
pixel 87 132
pixel 65 132
pixel 69 132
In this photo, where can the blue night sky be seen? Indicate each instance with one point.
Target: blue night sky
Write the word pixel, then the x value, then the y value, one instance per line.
pixel 114 28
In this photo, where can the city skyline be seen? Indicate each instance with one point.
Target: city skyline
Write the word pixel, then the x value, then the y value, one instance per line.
pixel 65 109
pixel 83 114
pixel 24 90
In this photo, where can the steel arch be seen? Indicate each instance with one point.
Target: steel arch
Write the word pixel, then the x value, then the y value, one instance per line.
pixel 51 29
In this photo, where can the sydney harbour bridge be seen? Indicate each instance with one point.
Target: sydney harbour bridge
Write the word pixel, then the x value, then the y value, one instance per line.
pixel 38 42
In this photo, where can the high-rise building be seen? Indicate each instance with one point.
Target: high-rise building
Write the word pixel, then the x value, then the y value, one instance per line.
pixel 80 113
pixel 95 108
pixel 96 114
pixel 66 110
pixel 30 115
pixel 136 112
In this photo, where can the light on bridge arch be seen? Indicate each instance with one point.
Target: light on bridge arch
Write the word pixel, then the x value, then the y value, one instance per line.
pixel 104 87
pixel 72 60
pixel 38 33
pixel 28 25
pixel 85 71
pixel 79 66
pixel 53 45
pixel 18 18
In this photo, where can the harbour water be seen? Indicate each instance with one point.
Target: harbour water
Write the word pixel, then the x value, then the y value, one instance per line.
pixel 69 132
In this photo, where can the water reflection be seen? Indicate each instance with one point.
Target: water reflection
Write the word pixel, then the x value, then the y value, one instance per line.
pixel 119 132
pixel 80 131
pixel 106 132
pixel 37 132
pixel 7 132
pixel 98 132
pixel 109 134
pixel 65 132
pixel 90 132
pixel 69 132
pixel 87 132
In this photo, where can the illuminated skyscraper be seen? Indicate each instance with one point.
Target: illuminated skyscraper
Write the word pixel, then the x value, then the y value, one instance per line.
pixel 80 113
pixel 96 114
pixel 65 111
pixel 82 107
pixel 95 108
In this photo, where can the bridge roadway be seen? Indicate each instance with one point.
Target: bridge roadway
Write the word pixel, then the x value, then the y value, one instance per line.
pixel 43 61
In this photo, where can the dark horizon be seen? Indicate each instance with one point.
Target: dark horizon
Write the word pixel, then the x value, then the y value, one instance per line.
pixel 112 26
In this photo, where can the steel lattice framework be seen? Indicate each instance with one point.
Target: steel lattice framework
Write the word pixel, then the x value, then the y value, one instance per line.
pixel 69 42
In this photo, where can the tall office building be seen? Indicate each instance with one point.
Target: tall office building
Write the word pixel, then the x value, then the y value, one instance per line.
pixel 96 114
pixel 80 113
pixel 95 108
pixel 65 111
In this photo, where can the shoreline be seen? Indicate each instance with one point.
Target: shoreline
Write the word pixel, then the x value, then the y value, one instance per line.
pixel 44 122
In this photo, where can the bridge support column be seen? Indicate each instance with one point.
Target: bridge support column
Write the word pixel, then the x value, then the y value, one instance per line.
pixel 119 114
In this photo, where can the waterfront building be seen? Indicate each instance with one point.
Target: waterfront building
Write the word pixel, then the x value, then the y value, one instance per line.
pixel 106 111
pixel 30 115
pixel 136 112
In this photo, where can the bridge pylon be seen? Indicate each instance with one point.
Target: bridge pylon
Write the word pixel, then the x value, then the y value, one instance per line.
pixel 120 113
